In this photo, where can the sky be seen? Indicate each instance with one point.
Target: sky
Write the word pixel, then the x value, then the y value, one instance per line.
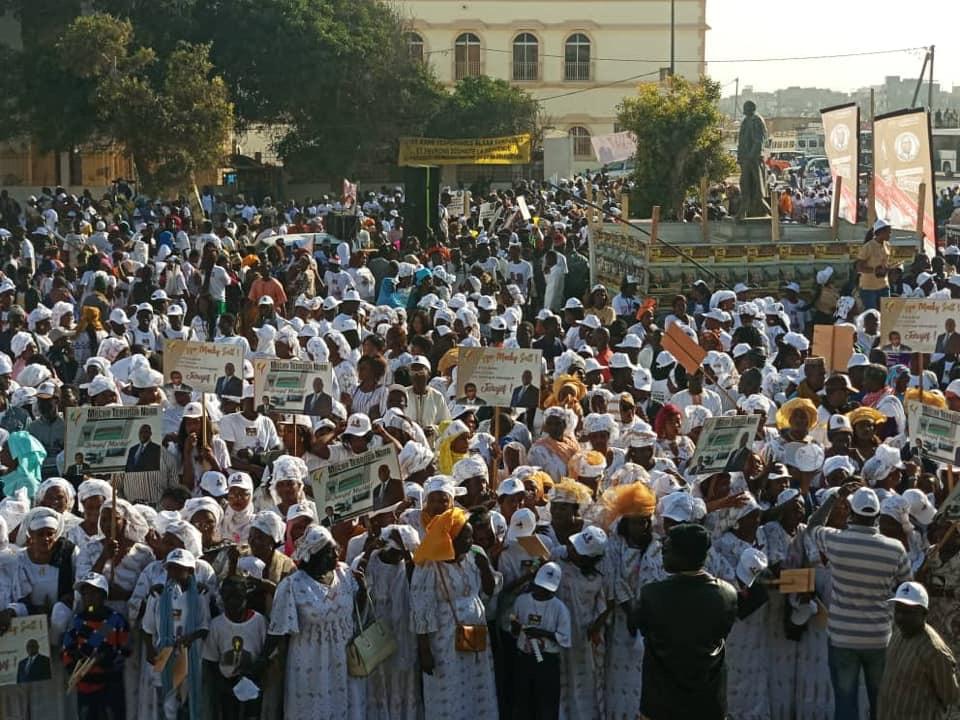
pixel 750 29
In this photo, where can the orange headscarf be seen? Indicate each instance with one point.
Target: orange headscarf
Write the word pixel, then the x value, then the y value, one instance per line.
pixel 632 499
pixel 89 317
pixel 437 545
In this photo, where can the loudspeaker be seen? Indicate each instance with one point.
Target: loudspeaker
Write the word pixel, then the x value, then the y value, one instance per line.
pixel 421 206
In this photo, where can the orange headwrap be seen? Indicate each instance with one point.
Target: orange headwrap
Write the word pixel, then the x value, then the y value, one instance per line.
pixel 933 398
pixel 437 545
pixel 633 499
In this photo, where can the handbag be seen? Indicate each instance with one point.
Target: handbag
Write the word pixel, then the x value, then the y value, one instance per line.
pixel 468 638
pixel 369 647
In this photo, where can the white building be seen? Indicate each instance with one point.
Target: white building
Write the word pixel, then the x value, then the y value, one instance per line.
pixel 578 57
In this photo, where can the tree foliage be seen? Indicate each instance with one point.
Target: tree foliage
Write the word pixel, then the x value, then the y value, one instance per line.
pixel 678 131
pixel 485 107
pixel 174 116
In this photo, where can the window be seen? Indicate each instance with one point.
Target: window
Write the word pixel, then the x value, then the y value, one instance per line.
pixel 466 59
pixel 415 46
pixel 525 61
pixel 576 57
pixel 582 149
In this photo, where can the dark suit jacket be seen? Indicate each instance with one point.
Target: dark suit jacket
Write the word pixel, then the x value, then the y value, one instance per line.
pixel 653 407
pixel 319 404
pixel 149 460
pixel 40 670
pixel 232 386
pixel 939 368
pixel 525 397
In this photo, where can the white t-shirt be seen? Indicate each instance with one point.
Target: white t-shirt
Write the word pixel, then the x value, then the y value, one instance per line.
pixel 219 279
pixel 228 643
pixel 550 615
pixel 520 274
pixel 200 240
pixel 258 434
pixel 232 340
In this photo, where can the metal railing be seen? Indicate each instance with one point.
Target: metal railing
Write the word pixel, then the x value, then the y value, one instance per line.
pixel 524 71
pixel 466 68
pixel 580 71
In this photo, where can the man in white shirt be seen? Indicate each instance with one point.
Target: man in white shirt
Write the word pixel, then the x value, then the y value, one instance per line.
pixel 519 271
pixel 248 435
pixel 697 394
pixel 206 236
pixel 425 405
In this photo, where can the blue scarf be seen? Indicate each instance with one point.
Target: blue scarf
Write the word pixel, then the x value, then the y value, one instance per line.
pixel 166 638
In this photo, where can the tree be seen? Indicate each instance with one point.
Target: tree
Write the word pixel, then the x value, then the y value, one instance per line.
pixel 336 74
pixel 174 117
pixel 485 107
pixel 678 131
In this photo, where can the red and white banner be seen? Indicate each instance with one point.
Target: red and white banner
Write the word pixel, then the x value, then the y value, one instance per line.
pixel 902 161
pixel 841 130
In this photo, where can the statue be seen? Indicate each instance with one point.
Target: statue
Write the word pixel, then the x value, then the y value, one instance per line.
pixel 753 131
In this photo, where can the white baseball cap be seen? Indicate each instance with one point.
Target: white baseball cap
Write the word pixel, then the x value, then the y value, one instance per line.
pixel 240 480
pixel 358 424
pixel 511 486
pixel 183 558
pixel 214 483
pixel 590 321
pixel 421 360
pixel 548 577
pixel 857 360
pixel 93 580
pixel 864 502
pixel 921 509
pixel 911 593
pixel 752 562
pixel 522 524
pixel 880 224
pixel 839 422
pixel 590 541
pixel 193 410
pixel 621 361
pixel 642 379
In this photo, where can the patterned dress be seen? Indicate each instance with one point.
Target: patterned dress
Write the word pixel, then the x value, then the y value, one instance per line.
pixel 626 571
pixel 746 656
pixel 944 613
pixel 783 651
pixel 581 666
pixel 461 681
pixel 393 689
pixel 319 620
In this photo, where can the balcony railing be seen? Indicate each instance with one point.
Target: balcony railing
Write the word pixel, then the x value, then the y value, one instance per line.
pixel 466 68
pixel 578 71
pixel 524 71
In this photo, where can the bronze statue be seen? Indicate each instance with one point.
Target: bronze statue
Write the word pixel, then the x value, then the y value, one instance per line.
pixel 753 131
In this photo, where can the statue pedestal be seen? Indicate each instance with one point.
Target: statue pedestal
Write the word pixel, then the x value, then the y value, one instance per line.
pixel 748 230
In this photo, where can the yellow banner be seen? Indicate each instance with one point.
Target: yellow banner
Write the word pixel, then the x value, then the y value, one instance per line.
pixel 509 150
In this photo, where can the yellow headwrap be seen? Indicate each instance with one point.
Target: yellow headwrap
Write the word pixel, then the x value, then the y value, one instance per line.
pixel 933 398
pixel 633 499
pixel 559 382
pixel 866 413
pixel 790 407
pixel 449 360
pixel 437 545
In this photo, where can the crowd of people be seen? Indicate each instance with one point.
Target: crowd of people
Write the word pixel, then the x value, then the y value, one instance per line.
pixel 558 561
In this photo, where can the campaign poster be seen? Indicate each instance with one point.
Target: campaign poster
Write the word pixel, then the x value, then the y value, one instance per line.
pixel 204 366
pixel 902 161
pixel 354 486
pixel 921 324
pixel 293 386
pixel 725 444
pixel 841 130
pixel 614 146
pixel 25 653
pixel 934 432
pixel 499 377
pixel 114 439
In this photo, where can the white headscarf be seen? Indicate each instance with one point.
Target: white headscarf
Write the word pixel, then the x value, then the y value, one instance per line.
pixel 61 483
pixel 136 527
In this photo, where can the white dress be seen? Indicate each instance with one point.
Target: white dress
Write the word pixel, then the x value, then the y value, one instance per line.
pixel 319 620
pixel 581 666
pixel 462 682
pixel 393 689
pixel 746 655
pixel 626 571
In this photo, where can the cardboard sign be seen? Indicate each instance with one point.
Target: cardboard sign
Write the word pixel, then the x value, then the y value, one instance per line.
pixel 725 444
pixel 524 210
pixel 921 323
pixel 114 439
pixel 352 487
pixel 614 147
pixel 934 432
pixel 834 343
pixel 204 366
pixel 293 386
pixel 687 352
pixel 841 130
pixel 459 203
pixel 25 653
pixel 800 580
pixel 487 211
pixel 499 377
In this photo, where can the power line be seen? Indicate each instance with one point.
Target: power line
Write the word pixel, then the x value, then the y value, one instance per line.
pixel 865 53
pixel 597 87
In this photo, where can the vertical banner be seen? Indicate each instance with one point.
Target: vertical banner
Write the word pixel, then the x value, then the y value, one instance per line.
pixel 902 160
pixel 841 130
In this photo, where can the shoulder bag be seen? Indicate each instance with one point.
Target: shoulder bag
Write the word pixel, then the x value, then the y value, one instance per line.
pixel 469 638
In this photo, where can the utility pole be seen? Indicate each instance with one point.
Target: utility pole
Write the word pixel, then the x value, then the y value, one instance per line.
pixel 673 36
pixel 736 97
pixel 930 84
